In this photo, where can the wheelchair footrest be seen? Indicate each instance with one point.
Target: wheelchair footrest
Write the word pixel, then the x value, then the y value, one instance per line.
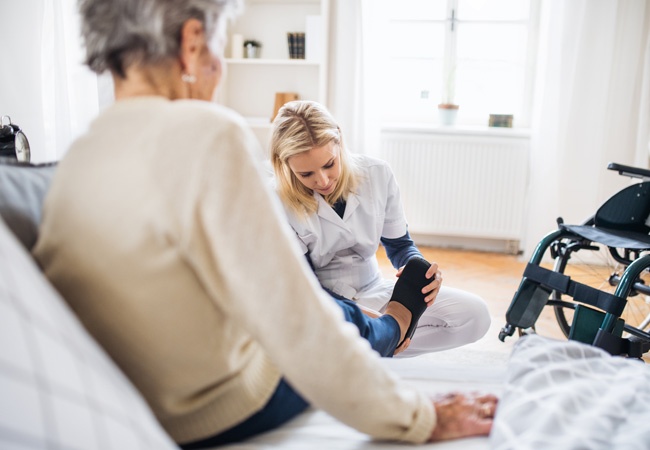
pixel 536 287
pixel 527 304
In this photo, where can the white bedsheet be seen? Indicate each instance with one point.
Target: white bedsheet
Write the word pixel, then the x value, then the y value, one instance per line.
pixel 567 395
pixel 553 395
pixel 315 429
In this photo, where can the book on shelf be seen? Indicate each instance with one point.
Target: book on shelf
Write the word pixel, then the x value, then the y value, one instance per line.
pixel 291 44
pixel 296 44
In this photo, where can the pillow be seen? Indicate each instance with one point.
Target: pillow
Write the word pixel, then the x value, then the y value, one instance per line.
pixel 570 395
pixel 22 189
pixel 58 388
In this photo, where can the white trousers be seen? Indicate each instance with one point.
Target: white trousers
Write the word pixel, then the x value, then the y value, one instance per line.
pixel 456 318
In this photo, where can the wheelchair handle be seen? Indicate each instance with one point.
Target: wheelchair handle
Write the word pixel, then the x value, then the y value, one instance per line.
pixel 633 172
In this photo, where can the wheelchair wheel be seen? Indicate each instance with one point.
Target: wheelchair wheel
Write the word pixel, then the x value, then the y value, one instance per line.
pixel 594 265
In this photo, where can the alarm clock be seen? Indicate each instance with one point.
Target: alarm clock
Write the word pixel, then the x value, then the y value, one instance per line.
pixel 13 142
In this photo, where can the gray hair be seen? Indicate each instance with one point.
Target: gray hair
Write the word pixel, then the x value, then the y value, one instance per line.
pixel 118 33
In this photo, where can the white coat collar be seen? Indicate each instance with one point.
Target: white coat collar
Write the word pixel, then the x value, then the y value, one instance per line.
pixel 351 205
pixel 326 212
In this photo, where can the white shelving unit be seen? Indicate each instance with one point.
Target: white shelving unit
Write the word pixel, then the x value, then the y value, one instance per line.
pixel 249 85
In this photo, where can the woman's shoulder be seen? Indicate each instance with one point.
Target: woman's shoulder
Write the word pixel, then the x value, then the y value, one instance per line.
pixel 369 162
pixel 181 116
pixel 370 165
pixel 214 123
pixel 202 131
pixel 217 115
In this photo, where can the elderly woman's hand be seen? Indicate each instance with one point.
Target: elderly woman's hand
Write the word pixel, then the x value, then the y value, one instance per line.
pixel 463 415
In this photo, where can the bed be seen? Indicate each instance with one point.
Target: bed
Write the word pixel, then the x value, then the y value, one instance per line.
pixel 59 389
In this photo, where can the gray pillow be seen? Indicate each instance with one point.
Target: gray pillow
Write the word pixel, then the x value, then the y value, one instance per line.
pixel 22 189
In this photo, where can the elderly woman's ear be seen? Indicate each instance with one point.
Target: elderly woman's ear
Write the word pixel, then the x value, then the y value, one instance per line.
pixel 201 67
pixel 193 42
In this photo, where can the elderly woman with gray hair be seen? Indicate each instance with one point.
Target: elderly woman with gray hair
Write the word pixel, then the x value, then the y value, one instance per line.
pixel 152 232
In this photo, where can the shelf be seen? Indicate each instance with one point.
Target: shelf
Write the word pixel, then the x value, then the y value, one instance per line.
pixel 272 62
pixel 464 130
pixel 250 85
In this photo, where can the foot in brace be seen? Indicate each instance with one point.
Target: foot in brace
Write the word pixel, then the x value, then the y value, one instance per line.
pixel 408 291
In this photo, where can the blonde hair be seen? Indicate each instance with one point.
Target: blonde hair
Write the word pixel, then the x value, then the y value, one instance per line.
pixel 299 127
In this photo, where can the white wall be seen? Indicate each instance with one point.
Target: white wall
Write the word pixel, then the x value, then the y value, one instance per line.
pixel 20 69
pixel 44 86
pixel 54 108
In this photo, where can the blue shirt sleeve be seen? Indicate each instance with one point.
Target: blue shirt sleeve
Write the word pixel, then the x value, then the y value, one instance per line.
pixel 400 250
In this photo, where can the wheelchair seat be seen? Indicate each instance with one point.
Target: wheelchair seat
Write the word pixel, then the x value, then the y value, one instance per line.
pixel 611 238
pixel 622 221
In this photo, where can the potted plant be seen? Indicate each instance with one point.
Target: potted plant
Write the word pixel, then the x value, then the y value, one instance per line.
pixel 447 109
pixel 447 113
pixel 252 49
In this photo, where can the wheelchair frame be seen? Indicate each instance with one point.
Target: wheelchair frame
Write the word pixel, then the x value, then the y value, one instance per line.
pixel 597 320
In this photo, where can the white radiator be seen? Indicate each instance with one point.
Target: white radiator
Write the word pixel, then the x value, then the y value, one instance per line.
pixel 459 185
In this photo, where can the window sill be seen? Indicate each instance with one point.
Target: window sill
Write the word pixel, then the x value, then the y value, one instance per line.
pixel 457 130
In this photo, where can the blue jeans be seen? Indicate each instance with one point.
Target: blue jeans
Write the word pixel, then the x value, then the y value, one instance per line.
pixel 285 403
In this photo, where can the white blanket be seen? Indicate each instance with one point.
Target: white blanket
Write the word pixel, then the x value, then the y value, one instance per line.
pixel 567 395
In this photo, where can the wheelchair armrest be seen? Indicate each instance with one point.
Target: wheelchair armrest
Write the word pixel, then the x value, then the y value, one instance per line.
pixel 634 172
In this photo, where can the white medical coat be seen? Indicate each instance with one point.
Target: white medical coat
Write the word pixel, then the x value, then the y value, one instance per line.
pixel 343 250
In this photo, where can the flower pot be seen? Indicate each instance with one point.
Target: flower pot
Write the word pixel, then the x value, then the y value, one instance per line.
pixel 251 51
pixel 447 113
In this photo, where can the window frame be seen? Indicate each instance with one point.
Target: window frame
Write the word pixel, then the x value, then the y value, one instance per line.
pixel 450 58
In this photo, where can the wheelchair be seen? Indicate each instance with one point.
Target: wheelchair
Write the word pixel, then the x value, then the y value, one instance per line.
pixel 599 282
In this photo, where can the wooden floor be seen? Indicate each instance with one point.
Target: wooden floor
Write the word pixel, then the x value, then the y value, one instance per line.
pixel 493 276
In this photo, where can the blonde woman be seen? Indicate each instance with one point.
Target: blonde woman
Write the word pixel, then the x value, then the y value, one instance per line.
pixel 342 206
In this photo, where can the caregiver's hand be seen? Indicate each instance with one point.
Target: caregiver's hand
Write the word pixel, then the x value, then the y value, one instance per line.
pixel 431 290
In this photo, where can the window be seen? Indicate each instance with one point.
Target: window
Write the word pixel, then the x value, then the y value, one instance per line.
pixel 475 53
